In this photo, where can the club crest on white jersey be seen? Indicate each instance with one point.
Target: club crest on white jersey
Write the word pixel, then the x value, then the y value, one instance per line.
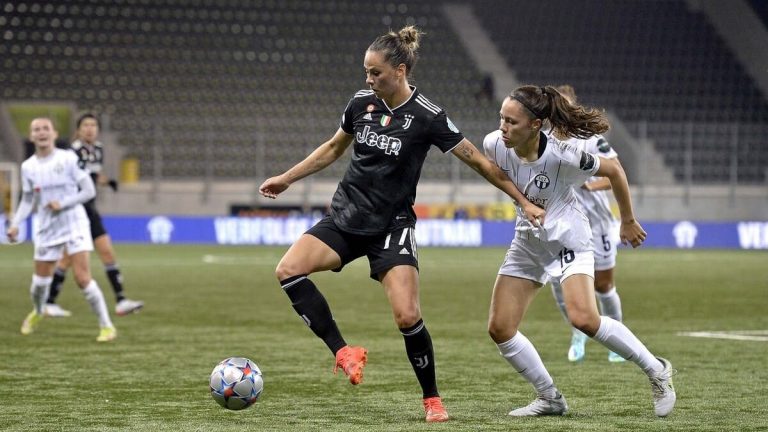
pixel 541 180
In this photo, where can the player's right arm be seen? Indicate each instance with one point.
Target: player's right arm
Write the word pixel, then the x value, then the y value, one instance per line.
pixel 326 154
pixel 631 231
pixel 25 209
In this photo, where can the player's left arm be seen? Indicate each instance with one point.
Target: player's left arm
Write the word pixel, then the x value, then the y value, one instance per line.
pixel 631 231
pixel 86 191
pixel 470 155
pixel 600 184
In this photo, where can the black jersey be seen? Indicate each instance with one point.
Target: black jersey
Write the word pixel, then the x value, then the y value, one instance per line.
pixel 378 190
pixel 90 157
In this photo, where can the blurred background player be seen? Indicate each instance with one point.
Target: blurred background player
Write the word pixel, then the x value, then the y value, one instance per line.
pixel 391 127
pixel 55 186
pixel 595 201
pixel 90 154
pixel 547 169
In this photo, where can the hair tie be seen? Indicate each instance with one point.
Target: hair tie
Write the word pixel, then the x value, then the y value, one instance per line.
pixel 549 100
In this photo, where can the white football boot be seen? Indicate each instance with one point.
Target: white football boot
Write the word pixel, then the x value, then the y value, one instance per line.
pixel 577 349
pixel 542 407
pixel 128 306
pixel 56 311
pixel 664 396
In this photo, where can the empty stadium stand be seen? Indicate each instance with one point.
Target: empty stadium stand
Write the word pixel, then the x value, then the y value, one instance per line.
pixel 652 62
pixel 227 88
pixel 242 88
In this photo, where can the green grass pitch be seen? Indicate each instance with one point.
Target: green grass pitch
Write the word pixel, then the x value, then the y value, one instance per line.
pixel 206 303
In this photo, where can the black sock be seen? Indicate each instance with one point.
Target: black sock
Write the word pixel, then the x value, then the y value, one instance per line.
pixel 418 346
pixel 116 280
pixel 58 280
pixel 312 307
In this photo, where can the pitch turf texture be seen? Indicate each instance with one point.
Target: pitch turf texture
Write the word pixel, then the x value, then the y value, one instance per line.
pixel 204 304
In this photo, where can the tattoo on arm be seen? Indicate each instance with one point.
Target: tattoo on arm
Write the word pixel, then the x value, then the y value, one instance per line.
pixel 467 151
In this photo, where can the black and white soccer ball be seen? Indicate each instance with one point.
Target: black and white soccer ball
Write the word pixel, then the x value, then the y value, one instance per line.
pixel 236 383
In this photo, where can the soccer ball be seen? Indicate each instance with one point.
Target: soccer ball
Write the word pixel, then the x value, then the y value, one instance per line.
pixel 236 383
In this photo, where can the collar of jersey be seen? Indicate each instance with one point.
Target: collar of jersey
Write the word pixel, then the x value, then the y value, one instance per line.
pixel 414 93
pixel 541 156
pixel 84 144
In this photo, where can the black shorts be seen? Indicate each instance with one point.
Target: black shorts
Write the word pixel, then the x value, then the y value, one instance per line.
pixel 97 226
pixel 384 251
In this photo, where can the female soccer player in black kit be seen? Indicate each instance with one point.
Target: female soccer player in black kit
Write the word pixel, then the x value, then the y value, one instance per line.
pixel 90 155
pixel 391 126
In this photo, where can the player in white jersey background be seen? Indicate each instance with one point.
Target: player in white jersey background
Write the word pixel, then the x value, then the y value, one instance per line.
pixel 560 247
pixel 54 186
pixel 90 154
pixel 595 201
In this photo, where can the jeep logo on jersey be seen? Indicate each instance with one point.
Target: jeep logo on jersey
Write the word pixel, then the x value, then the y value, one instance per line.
pixel 388 144
pixel 541 181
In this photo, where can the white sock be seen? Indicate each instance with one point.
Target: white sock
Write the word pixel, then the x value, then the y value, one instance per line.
pixel 618 338
pixel 39 290
pixel 610 304
pixel 521 354
pixel 95 298
pixel 557 293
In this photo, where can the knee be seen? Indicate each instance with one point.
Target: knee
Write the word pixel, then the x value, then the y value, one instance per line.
pixel 500 333
pixel 107 258
pixel 603 287
pixel 286 269
pixel 405 318
pixel 584 321
pixel 82 279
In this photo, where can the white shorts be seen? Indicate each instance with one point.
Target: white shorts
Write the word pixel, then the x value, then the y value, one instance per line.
pixel 605 244
pixel 540 261
pixel 78 243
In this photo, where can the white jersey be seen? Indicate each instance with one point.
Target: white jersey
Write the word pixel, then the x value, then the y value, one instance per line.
pixel 596 204
pixel 54 178
pixel 549 182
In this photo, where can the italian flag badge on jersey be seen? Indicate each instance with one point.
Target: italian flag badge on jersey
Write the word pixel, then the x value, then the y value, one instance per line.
pixel 385 119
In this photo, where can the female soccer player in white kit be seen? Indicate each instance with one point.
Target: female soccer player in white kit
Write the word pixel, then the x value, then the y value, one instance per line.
pixel 594 199
pixel 54 184
pixel 546 170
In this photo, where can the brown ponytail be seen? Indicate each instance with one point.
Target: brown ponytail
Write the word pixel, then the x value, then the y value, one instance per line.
pixel 399 48
pixel 571 120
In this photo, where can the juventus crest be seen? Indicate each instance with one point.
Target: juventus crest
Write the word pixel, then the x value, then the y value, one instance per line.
pixel 408 119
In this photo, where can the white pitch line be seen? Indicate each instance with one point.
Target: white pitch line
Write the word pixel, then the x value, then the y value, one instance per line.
pixel 746 335
pixel 238 260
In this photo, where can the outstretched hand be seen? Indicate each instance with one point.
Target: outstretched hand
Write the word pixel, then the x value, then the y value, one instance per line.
pixel 273 186
pixel 632 233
